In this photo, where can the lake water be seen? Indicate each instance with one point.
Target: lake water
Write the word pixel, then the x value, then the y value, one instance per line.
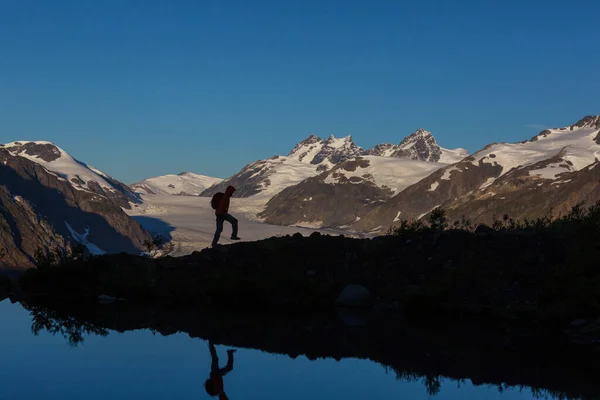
pixel 144 365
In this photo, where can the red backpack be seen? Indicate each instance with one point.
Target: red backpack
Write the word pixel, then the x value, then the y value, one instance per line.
pixel 216 199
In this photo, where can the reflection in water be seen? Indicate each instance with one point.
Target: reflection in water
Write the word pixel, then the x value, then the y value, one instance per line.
pixel 410 362
pixel 72 328
pixel 214 384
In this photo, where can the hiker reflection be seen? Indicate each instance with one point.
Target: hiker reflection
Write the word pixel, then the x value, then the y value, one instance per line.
pixel 214 385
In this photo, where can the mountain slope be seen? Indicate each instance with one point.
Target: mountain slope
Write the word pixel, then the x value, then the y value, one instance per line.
pixel 40 209
pixel 344 194
pixel 183 184
pixel 80 175
pixel 546 155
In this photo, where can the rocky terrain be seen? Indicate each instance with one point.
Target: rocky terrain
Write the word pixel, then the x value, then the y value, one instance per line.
pixel 42 209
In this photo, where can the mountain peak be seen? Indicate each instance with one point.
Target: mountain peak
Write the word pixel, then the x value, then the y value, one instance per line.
pixel 419 134
pixel 420 145
pixel 589 121
pixel 45 151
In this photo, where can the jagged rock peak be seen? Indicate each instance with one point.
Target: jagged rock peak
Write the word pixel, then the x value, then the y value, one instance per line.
pixel 420 145
pixel 589 121
pixel 310 140
pixel 46 151
pixel 419 134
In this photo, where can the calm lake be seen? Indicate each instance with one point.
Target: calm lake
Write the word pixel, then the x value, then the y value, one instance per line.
pixel 140 364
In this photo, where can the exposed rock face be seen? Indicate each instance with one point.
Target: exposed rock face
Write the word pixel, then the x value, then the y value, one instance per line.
pixel 520 195
pixel 343 195
pixel 39 210
pixel 79 174
pixel 434 190
pixel 44 151
pixel 381 150
pixel 420 145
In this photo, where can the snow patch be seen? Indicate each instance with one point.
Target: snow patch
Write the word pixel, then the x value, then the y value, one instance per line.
pixel 82 238
pixel 551 171
pixel 447 173
pixel 433 186
pixel 397 216
pixel 487 183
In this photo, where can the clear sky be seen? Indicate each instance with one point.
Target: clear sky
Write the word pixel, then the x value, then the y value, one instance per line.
pixel 146 87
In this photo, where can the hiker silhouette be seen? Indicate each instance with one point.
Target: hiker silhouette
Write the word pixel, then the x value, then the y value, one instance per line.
pixel 222 214
pixel 214 384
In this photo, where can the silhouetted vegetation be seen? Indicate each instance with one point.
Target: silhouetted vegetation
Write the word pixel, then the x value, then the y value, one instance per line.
pixel 579 220
pixel 55 322
pixel 159 246
pixel 48 258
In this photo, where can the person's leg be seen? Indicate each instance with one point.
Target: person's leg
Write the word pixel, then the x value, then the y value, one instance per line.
pixel 234 225
pixel 218 231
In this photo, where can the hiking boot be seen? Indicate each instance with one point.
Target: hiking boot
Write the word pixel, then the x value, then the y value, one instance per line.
pixel 235 238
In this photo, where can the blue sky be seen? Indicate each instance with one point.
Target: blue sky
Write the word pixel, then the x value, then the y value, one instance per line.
pixel 142 88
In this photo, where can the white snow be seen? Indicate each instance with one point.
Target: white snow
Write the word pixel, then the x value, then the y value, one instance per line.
pixel 186 183
pixel 433 186
pixel 397 216
pixel 66 167
pixel 448 172
pixel 82 238
pixel 551 171
pixel 394 173
pixel 487 183
pixel 576 146
pixel 309 224
pixel 452 156
pixel 191 221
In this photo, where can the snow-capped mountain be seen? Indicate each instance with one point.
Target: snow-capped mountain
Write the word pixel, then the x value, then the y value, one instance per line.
pixel 346 192
pixel 421 145
pixel 314 155
pixel 308 158
pixel 493 172
pixel 42 209
pixel 183 184
pixel 79 175
pixel 325 153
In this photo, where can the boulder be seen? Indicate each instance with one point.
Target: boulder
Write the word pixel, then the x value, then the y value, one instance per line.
pixel 353 296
